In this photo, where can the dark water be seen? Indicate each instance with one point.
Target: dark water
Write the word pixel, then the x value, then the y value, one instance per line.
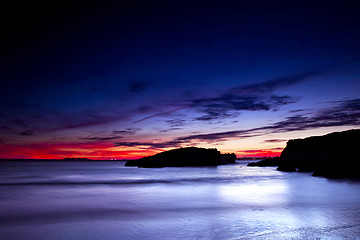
pixel 105 200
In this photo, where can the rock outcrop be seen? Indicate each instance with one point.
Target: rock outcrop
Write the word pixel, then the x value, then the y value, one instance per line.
pixel 228 158
pixel 335 155
pixel 184 157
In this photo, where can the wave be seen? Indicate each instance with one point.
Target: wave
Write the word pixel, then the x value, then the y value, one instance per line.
pixel 138 181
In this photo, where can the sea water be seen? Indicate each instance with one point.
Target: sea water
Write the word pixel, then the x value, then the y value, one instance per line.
pixel 106 200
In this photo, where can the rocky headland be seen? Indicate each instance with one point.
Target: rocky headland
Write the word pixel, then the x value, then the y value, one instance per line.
pixel 335 155
pixel 184 157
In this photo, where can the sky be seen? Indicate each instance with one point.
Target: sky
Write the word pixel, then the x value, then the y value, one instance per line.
pixel 123 80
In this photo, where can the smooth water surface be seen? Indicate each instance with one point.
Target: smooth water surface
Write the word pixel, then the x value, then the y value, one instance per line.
pixel 105 200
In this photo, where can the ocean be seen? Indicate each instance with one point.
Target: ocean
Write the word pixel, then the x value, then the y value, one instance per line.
pixel 106 200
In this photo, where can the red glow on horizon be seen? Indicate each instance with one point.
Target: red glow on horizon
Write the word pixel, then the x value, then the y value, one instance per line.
pixel 95 151
pixel 259 153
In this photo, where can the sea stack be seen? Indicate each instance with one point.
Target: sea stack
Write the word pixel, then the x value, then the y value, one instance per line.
pixel 184 157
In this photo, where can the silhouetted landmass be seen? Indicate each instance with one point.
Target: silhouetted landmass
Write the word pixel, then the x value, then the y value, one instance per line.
pixel 267 162
pixel 227 158
pixel 335 155
pixel 184 157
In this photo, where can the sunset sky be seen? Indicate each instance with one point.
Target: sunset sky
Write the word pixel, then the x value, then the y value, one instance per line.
pixel 130 79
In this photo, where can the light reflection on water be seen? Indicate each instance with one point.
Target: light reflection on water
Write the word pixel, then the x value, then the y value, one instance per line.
pixel 249 194
pixel 76 200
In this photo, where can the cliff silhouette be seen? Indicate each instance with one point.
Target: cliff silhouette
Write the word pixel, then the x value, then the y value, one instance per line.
pixel 335 155
pixel 184 157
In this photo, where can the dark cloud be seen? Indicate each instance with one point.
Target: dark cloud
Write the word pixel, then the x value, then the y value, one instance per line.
pixel 228 106
pixel 252 97
pixel 161 114
pixel 224 107
pixel 221 135
pixel 296 111
pixel 278 148
pixel 255 97
pixel 27 133
pixel 275 140
pixel 101 138
pixel 52 119
pixel 176 122
pixel 174 143
pixel 276 83
pixel 211 116
pixel 136 86
pixel 170 129
pixel 345 113
pixel 127 131
pixel 273 84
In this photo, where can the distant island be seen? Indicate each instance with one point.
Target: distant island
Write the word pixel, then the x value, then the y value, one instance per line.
pixel 335 155
pixel 184 157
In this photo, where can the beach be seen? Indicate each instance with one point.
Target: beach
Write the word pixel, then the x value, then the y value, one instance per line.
pixel 106 200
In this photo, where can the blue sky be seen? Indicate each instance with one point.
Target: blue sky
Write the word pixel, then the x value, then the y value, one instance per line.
pixel 128 79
